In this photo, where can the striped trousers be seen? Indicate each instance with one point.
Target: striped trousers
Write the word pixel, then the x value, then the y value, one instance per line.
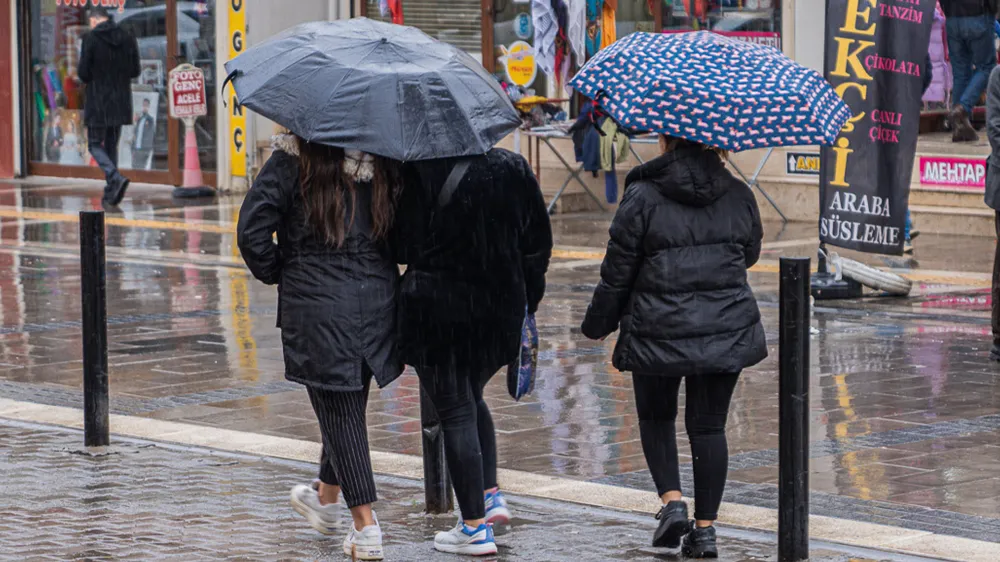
pixel 346 461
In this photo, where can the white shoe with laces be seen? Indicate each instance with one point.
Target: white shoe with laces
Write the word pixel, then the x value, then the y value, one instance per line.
pixel 466 540
pixel 323 518
pixel 365 544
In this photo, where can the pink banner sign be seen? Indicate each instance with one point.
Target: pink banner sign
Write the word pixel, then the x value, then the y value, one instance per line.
pixel 768 38
pixel 953 173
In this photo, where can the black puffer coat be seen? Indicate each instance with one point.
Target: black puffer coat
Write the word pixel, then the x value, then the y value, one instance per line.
pixel 675 274
pixel 109 60
pixel 472 265
pixel 336 306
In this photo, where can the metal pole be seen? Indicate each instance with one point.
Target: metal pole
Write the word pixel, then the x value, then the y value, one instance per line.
pixel 437 482
pixel 793 397
pixel 95 330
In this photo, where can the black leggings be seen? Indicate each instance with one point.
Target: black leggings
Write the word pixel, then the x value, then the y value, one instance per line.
pixel 470 443
pixel 705 413
pixel 346 460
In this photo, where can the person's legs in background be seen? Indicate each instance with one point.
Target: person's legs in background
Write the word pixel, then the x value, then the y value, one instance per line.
pixel 97 138
pixel 454 399
pixel 705 415
pixel 961 55
pixel 909 234
pixel 980 38
pixel 656 406
pixel 103 145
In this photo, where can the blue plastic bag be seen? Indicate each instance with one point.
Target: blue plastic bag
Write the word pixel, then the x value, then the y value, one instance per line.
pixel 521 371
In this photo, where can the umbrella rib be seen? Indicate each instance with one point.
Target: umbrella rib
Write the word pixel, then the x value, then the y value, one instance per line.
pixel 333 90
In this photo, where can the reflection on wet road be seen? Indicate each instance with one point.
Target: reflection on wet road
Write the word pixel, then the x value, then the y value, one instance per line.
pixel 905 406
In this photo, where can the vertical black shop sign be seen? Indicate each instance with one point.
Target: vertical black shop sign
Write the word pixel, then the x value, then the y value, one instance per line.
pixel 874 57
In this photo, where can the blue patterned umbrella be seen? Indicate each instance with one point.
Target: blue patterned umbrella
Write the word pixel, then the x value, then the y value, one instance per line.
pixel 711 89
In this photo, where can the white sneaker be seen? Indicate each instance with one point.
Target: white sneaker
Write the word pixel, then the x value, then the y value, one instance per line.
pixel 466 540
pixel 497 512
pixel 323 518
pixel 365 544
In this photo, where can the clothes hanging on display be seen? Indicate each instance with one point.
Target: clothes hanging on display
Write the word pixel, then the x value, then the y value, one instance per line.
pixel 614 145
pixel 543 17
pixel 586 139
pixel 609 30
pixel 396 8
pixel 940 86
pixel 576 29
pixel 611 185
pixel 594 13
pixel 562 50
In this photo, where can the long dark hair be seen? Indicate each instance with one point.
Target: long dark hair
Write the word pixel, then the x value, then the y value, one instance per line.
pixel 327 188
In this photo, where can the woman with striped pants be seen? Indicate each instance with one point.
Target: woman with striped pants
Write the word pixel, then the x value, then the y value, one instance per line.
pixel 337 280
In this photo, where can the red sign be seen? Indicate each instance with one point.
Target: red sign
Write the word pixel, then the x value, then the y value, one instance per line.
pixel 767 38
pixel 116 4
pixel 953 173
pixel 187 92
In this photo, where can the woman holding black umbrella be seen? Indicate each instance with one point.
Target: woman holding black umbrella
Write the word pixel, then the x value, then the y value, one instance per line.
pixel 396 92
pixel 332 211
pixel 476 238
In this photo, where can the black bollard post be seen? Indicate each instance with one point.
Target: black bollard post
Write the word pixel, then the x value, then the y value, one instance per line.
pixel 437 483
pixel 793 397
pixel 95 330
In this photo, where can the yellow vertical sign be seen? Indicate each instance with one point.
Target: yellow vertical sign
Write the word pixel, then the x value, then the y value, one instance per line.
pixel 237 118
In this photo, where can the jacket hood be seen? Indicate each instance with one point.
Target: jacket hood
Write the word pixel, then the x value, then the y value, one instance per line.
pixel 359 165
pixel 689 175
pixel 110 33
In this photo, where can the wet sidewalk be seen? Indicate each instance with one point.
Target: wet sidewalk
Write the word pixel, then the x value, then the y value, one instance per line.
pixel 905 406
pixel 144 501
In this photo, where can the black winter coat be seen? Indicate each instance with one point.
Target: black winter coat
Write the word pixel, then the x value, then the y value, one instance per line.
pixel 473 266
pixel 109 60
pixel 675 273
pixel 336 306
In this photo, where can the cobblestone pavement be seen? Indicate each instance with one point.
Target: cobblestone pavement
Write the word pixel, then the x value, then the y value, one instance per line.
pixel 140 501
pixel 905 406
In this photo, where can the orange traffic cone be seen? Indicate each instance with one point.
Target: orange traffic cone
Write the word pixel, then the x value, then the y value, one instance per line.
pixel 193 184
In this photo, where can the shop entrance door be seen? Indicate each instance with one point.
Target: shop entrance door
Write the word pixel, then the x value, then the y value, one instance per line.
pixel 168 33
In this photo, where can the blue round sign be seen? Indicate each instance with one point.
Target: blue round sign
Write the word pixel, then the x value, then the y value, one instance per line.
pixel 522 26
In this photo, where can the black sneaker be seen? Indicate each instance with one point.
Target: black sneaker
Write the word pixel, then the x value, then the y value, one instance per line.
pixel 118 186
pixel 995 353
pixel 700 542
pixel 673 519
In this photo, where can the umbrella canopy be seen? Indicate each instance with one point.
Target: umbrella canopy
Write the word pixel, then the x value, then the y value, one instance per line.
pixel 381 88
pixel 711 89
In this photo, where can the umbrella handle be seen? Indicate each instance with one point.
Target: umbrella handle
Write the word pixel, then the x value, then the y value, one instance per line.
pixel 229 79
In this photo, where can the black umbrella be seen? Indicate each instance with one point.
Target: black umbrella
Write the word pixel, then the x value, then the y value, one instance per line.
pixel 381 88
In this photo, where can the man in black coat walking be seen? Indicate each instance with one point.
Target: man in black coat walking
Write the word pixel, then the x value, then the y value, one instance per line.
pixel 109 60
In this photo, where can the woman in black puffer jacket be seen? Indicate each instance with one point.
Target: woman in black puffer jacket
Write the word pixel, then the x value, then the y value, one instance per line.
pixel 675 280
pixel 332 211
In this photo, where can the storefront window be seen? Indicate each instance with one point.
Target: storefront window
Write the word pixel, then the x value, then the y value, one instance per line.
pixel 196 44
pixel 56 115
pixel 757 21
pixel 456 22
pixel 635 15
pixel 514 41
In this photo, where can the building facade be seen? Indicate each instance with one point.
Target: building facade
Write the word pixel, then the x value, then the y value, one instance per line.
pixel 41 100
